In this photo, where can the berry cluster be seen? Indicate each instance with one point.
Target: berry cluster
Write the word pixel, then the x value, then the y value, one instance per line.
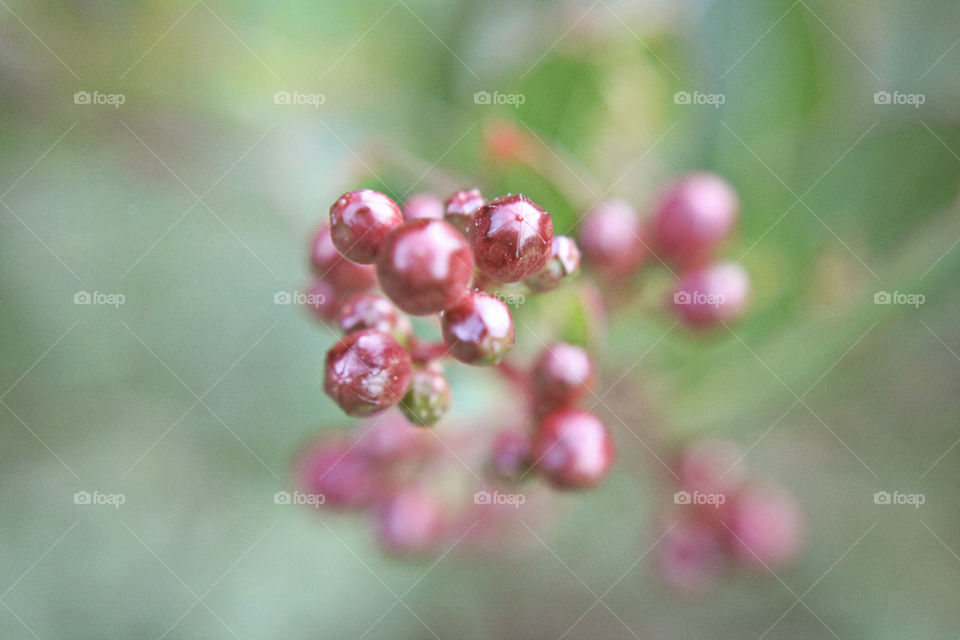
pixel 413 485
pixel 431 258
pixel 376 264
pixel 690 222
pixel 723 518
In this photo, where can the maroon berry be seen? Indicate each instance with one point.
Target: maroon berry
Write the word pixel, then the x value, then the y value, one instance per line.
pixel 409 522
pixel 425 266
pixel 511 238
pixel 478 330
pixel 366 372
pixel 340 474
pixel 564 263
pixel 710 295
pixel 365 311
pixel 694 217
pixel 611 238
pixel 323 300
pixel 562 376
pixel 428 398
pixel 573 449
pixel 460 207
pixel 327 263
pixel 510 455
pixel 359 223
pixel 422 205
pixel 767 526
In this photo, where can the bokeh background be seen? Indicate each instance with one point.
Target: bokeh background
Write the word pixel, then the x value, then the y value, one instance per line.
pixel 194 200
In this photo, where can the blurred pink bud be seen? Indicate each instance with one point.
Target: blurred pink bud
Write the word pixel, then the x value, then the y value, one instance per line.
pixel 693 217
pixel 691 557
pixel 767 525
pixel 411 521
pixel 710 295
pixel 341 474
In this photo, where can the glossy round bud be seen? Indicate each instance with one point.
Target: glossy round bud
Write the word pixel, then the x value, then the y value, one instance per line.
pixel 694 217
pixel 612 238
pixel 428 398
pixel 338 475
pixel 510 455
pixel 512 238
pixel 710 295
pixel 328 265
pixel 423 205
pixel 564 263
pixel 478 330
pixel 561 376
pixel 410 522
pixel 573 449
pixel 460 207
pixel 366 311
pixel 767 525
pixel 359 223
pixel 425 266
pixel 366 372
pixel 323 300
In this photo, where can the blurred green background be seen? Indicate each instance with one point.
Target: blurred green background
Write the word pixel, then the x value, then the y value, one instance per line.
pixel 194 200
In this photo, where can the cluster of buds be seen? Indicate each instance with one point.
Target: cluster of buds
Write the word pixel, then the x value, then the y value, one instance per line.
pixel 690 222
pixel 378 265
pixel 422 487
pixel 722 518
pixel 415 486
pixel 431 259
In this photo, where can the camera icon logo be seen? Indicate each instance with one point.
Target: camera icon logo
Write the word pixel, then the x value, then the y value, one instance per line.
pixel 282 297
pixel 82 297
pixel 282 497
pixel 682 497
pixel 482 97
pixel 482 497
pixel 282 97
pixel 882 97
pixel 81 497
pixel 682 97
pixel 882 297
pixel 681 297
pixel 82 97
pixel 881 497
